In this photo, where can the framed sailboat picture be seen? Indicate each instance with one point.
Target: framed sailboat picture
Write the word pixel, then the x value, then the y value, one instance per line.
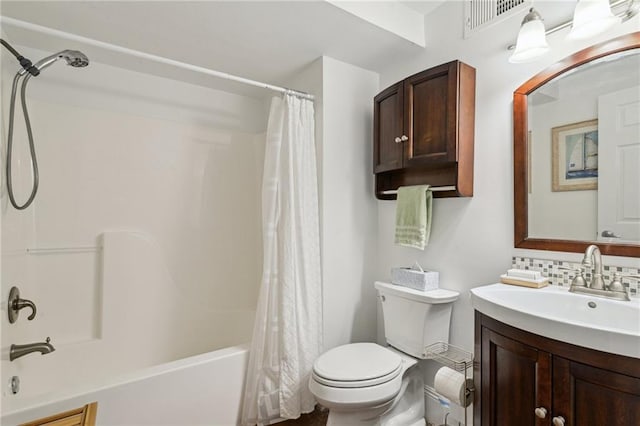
pixel 574 156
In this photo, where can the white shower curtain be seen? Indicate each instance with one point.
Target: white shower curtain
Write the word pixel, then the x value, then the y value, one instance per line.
pixel 287 334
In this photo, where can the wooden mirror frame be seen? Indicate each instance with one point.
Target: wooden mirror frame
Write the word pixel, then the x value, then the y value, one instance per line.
pixel 520 166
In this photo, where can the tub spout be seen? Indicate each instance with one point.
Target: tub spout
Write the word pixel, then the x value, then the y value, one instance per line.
pixel 18 351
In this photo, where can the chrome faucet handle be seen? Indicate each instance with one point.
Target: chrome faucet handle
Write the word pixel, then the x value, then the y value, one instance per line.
pixel 616 283
pixel 15 303
pixel 578 280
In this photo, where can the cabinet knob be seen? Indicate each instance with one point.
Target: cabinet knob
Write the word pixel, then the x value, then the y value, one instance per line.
pixel 558 421
pixel 404 138
pixel 398 140
pixel 541 412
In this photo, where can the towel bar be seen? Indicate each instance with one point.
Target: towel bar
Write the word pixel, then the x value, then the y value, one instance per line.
pixel 433 188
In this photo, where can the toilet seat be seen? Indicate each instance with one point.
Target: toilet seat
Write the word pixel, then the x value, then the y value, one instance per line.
pixel 357 365
pixel 349 386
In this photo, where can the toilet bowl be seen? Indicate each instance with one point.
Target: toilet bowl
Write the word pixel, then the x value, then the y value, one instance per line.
pixel 367 384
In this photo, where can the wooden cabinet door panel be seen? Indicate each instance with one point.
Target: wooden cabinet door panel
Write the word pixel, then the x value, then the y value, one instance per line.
pixel 387 126
pixel 84 416
pixel 516 379
pixel 430 99
pixel 591 396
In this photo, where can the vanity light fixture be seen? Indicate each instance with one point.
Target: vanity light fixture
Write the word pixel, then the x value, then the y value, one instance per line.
pixel 532 39
pixel 590 17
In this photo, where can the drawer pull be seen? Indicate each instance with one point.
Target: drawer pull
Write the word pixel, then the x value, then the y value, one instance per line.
pixel 397 139
pixel 558 421
pixel 541 412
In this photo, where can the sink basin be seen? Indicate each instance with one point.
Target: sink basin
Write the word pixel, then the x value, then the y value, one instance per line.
pixel 596 323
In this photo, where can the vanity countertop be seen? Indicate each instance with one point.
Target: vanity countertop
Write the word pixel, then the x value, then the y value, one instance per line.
pixel 602 324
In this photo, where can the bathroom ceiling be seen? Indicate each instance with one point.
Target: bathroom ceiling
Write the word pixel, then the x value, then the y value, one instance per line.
pixel 422 7
pixel 262 40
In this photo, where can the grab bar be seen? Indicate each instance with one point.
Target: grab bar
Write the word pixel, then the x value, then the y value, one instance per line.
pixel 62 250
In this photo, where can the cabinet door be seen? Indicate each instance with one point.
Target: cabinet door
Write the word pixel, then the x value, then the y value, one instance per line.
pixel 84 416
pixel 430 122
pixel 516 379
pixel 591 396
pixel 387 127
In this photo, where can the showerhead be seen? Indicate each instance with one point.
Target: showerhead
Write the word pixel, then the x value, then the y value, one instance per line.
pixel 75 58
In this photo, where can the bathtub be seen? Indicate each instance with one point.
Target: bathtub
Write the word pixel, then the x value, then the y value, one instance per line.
pixel 200 390
pixel 144 357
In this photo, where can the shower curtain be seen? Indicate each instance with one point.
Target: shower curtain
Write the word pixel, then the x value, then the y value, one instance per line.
pixel 287 334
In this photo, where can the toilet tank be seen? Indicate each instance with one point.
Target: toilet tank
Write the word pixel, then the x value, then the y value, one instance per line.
pixel 415 319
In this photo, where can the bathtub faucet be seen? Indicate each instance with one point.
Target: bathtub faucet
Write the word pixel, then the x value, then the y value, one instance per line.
pixel 18 351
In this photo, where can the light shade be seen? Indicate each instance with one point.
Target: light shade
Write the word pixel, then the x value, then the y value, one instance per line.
pixel 532 40
pixel 591 17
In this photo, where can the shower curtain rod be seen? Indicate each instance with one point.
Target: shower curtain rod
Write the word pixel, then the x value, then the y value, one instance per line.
pixel 73 37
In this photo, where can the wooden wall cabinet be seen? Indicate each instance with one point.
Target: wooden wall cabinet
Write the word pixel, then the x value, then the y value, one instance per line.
pixel 525 379
pixel 424 131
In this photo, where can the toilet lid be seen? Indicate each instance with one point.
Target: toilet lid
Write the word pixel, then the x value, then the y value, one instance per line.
pixel 357 362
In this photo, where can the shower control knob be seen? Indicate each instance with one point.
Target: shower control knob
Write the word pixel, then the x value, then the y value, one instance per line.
pixel 15 303
pixel 541 412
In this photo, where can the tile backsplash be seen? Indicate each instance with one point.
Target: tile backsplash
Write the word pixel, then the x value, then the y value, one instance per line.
pixel 561 272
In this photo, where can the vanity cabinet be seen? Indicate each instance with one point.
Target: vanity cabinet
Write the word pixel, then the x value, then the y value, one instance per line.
pixel 526 379
pixel 83 416
pixel 424 131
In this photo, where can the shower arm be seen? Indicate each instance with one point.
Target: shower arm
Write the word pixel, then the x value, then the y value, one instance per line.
pixel 40 65
pixel 25 63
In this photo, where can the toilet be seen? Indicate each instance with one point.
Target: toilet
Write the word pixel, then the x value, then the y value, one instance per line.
pixel 368 384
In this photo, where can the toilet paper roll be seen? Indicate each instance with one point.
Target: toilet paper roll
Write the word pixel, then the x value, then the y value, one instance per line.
pixel 452 385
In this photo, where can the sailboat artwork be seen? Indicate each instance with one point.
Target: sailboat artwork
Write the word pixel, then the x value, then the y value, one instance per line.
pixel 575 156
pixel 582 155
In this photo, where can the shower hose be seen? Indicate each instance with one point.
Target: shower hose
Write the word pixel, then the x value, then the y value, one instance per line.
pixel 30 71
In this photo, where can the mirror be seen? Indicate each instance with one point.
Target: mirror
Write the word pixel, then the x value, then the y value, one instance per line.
pixel 577 152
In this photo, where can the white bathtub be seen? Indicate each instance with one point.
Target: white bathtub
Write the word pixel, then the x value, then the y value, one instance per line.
pixel 146 325
pixel 200 390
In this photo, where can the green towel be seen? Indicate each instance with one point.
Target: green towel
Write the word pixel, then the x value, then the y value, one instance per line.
pixel 413 216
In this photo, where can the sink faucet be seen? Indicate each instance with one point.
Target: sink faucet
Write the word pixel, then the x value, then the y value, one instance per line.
pixel 17 351
pixel 593 261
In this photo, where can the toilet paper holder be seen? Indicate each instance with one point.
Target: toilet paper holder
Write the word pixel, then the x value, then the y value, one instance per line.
pixel 459 361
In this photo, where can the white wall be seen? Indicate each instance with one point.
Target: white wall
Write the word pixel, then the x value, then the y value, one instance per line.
pixel 472 238
pixel 344 115
pixel 348 204
pixel 170 170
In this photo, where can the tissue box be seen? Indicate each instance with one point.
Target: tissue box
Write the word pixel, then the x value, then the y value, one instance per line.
pixel 415 279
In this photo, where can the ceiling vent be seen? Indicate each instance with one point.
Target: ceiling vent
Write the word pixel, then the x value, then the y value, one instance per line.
pixel 480 14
